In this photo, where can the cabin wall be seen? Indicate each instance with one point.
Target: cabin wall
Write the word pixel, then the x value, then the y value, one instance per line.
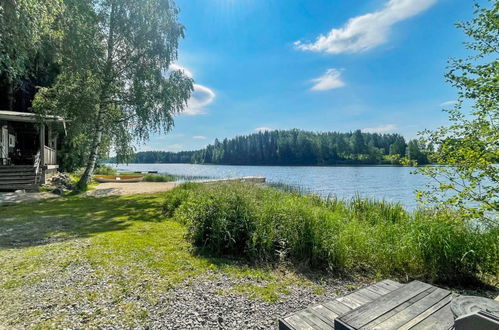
pixel 7 141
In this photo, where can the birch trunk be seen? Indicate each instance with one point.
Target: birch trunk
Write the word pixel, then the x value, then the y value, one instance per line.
pixel 104 96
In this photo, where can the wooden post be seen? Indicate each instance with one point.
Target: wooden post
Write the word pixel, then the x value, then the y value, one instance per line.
pixel 42 153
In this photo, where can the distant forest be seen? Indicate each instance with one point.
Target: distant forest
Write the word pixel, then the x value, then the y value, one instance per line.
pixel 297 147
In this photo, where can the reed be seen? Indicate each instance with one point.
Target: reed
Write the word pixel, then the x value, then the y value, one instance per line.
pixel 361 236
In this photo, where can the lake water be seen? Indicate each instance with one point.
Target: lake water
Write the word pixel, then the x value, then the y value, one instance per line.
pixel 391 183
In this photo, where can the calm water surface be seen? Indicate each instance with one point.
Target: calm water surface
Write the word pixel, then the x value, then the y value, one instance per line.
pixel 381 182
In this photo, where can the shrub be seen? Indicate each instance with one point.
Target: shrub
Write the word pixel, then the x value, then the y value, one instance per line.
pixel 103 169
pixel 175 198
pixel 364 236
pixel 158 178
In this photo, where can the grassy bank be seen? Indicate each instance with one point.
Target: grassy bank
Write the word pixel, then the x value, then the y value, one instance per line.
pixel 106 262
pixel 112 261
pixel 372 238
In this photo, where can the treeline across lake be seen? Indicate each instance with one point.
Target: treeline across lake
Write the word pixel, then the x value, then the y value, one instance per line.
pixel 297 147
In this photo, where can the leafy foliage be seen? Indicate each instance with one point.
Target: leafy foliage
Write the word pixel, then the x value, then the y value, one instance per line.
pixel 27 34
pixel 470 145
pixel 295 147
pixel 158 178
pixel 114 85
pixel 24 24
pixel 360 236
pixel 105 170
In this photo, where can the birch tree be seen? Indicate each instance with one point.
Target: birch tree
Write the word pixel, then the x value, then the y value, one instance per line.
pixel 469 146
pixel 115 86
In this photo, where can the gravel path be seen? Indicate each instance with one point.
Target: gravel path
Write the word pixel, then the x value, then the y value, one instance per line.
pixel 208 303
pixel 79 297
pixel 130 188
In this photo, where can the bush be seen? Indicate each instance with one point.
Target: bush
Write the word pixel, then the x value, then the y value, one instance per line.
pixel 104 169
pixel 175 198
pixel 363 236
pixel 158 178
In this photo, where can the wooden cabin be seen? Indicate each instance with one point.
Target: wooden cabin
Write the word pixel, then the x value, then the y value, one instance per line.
pixel 28 149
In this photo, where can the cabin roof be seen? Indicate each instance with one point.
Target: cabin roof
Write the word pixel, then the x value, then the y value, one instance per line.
pixel 27 117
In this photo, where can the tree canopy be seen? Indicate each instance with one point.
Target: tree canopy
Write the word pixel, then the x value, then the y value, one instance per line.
pixel 295 147
pixel 114 83
pixel 470 144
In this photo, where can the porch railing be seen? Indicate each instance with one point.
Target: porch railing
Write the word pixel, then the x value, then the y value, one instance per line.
pixel 50 156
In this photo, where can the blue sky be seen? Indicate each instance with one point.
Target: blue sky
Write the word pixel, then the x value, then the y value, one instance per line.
pixel 319 65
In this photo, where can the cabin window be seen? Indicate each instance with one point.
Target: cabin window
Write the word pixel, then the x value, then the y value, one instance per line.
pixel 12 141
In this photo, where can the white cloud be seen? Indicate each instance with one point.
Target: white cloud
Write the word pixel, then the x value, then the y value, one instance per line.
pixel 201 97
pixel 263 129
pixel 380 129
pixel 364 32
pixel 199 137
pixel 448 103
pixel 330 80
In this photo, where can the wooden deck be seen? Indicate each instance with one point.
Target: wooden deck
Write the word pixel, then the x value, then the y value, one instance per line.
pixel 384 305
pixel 322 316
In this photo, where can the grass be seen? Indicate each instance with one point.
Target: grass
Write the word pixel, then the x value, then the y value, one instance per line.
pixel 151 177
pixel 374 238
pixel 102 254
pixel 115 258
pixel 158 178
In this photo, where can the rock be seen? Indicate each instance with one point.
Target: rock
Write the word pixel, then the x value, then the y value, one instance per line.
pixel 61 180
pixel 58 191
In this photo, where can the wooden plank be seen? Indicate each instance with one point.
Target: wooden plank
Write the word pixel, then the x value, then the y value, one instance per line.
pixel 351 301
pixel 359 297
pixel 441 319
pixel 378 289
pixel 370 311
pixel 325 312
pixel 393 283
pixel 365 292
pixel 323 315
pixel 403 315
pixel 389 284
pixel 387 321
pixel 283 325
pixel 337 307
pixel 313 320
pixel 296 322
pixel 442 303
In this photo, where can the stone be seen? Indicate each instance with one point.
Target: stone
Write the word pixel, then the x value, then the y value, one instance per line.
pixel 61 180
pixel 58 191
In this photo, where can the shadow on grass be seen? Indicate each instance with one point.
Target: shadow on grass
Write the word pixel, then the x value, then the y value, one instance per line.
pixel 73 217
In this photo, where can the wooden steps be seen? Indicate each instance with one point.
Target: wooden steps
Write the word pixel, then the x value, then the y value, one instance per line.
pixel 384 305
pixel 322 316
pixel 18 177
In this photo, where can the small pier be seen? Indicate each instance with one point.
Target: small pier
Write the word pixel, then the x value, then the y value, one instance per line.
pixel 252 179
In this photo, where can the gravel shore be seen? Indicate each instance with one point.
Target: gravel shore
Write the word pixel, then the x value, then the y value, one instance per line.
pixel 204 302
pixel 200 305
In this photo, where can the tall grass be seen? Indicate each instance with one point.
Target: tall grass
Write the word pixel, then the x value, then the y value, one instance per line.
pixel 159 178
pixel 104 169
pixel 374 238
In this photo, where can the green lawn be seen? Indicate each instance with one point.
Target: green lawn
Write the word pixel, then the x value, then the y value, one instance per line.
pixel 100 253
pixel 89 262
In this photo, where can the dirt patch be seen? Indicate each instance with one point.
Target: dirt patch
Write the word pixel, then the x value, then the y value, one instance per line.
pixel 11 198
pixel 122 188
